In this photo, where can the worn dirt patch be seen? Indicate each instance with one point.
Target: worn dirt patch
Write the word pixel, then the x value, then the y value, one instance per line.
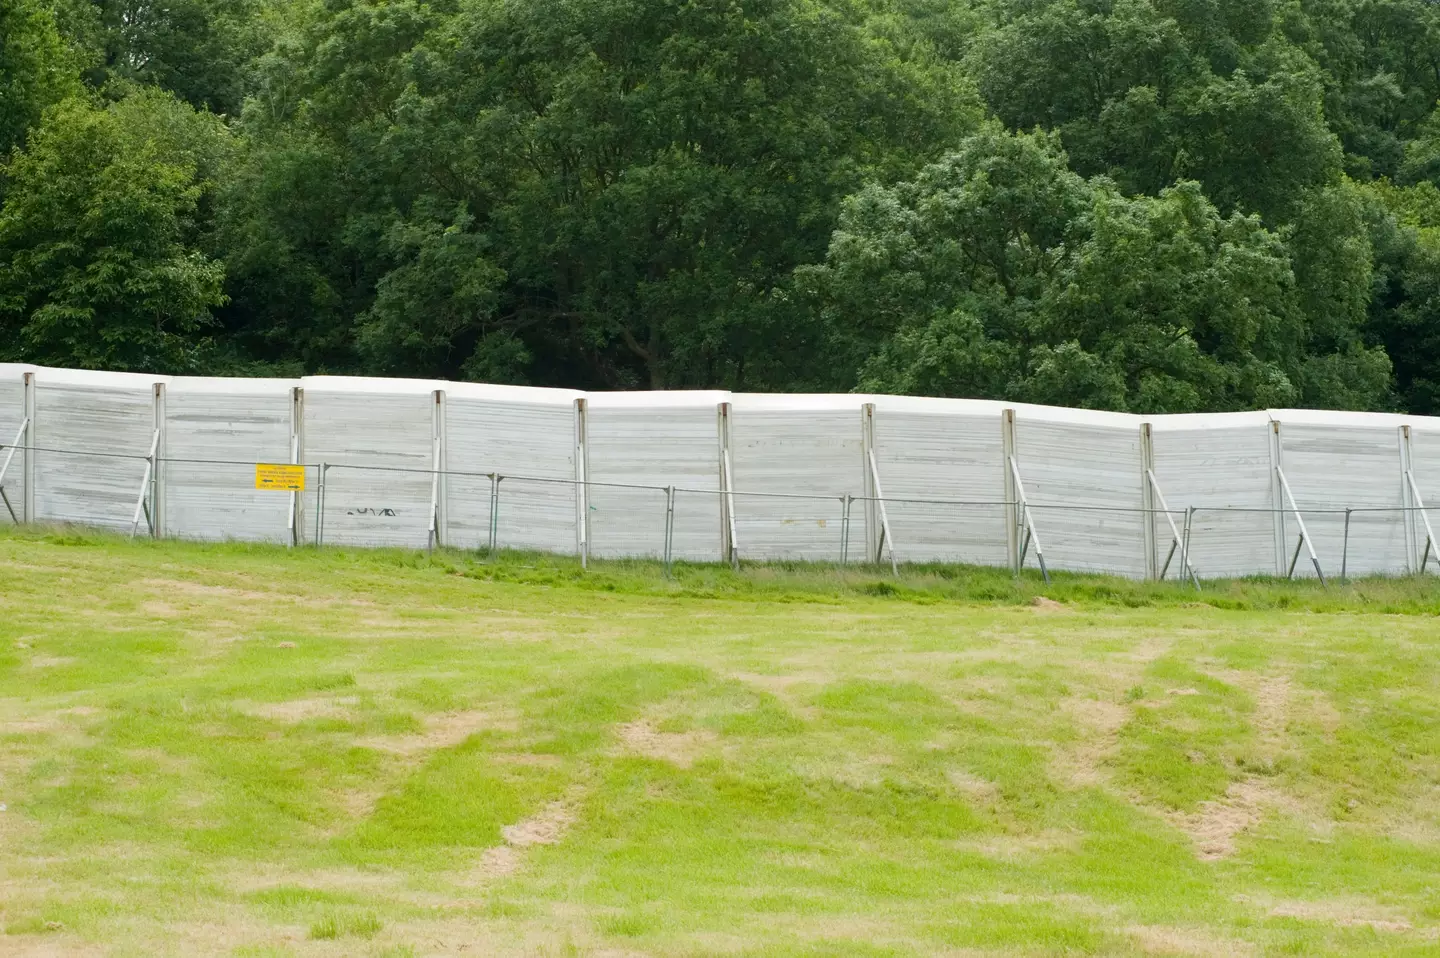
pixel 1098 722
pixel 1347 914
pixel 1018 848
pixel 972 787
pixel 445 730
pixel 50 661
pixel 1167 940
pixel 46 946
pixel 677 748
pixel 1044 605
pixel 545 827
pixel 183 587
pixel 302 710
pixel 1215 825
pixel 788 688
pixel 1272 703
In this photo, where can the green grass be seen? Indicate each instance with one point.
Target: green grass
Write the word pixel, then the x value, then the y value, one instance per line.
pixel 253 751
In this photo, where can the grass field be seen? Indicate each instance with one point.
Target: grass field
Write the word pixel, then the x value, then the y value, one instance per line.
pixel 248 751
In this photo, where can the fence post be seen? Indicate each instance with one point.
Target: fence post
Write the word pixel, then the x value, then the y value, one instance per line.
pixel 1147 500
pixel 320 507
pixel 297 458
pixel 1185 549
pixel 1013 522
pixel 669 525
pixel 845 528
pixel 494 510
pixel 1345 549
pixel 157 477
pixel 582 484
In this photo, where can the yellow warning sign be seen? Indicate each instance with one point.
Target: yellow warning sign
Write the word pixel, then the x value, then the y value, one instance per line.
pixel 269 475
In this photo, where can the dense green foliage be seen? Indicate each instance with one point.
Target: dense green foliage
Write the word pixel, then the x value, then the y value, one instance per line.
pixel 1152 205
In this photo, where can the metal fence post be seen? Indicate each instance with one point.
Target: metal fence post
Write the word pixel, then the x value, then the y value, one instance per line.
pixel 1185 549
pixel 494 510
pixel 669 525
pixel 845 528
pixel 1345 549
pixel 320 507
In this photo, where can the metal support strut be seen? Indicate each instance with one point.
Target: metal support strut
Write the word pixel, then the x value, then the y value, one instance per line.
pixel 887 539
pixel 293 537
pixel 1430 543
pixel 1182 542
pixel 147 488
pixel 1028 522
pixel 1345 548
pixel 24 426
pixel 494 510
pixel 1304 539
pixel 432 536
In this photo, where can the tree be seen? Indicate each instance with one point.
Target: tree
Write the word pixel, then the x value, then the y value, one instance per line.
pixel 1378 63
pixel 1000 273
pixel 35 69
pixel 200 50
pixel 1150 92
pixel 99 233
pixel 621 187
pixel 1404 315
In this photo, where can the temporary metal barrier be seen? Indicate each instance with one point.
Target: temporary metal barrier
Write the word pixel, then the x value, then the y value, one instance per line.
pixel 666 497
pixel 685 477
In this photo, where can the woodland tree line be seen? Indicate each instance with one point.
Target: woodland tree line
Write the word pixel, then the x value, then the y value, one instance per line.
pixel 1145 205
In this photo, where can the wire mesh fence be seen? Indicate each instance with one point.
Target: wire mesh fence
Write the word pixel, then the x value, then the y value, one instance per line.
pixel 365 504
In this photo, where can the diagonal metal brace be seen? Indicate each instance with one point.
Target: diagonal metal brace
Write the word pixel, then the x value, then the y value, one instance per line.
pixel 1305 539
pixel 1028 521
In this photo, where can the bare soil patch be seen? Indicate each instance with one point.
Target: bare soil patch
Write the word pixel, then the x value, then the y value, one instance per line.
pixel 445 730
pixel 1168 940
pixel 1099 723
pixel 1349 914
pixel 545 827
pixel 302 710
pixel 678 748
pixel 1215 825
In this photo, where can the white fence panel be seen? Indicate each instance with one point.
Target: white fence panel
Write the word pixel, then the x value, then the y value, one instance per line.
pixel 1217 463
pixel 1334 461
pixel 654 439
pixel 1082 472
pixel 12 415
pixel 86 413
pixel 352 424
pixel 803 446
pixel 518 432
pixel 234 423
pixel 943 449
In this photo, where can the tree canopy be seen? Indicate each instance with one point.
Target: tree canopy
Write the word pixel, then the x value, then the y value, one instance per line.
pixel 1148 205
